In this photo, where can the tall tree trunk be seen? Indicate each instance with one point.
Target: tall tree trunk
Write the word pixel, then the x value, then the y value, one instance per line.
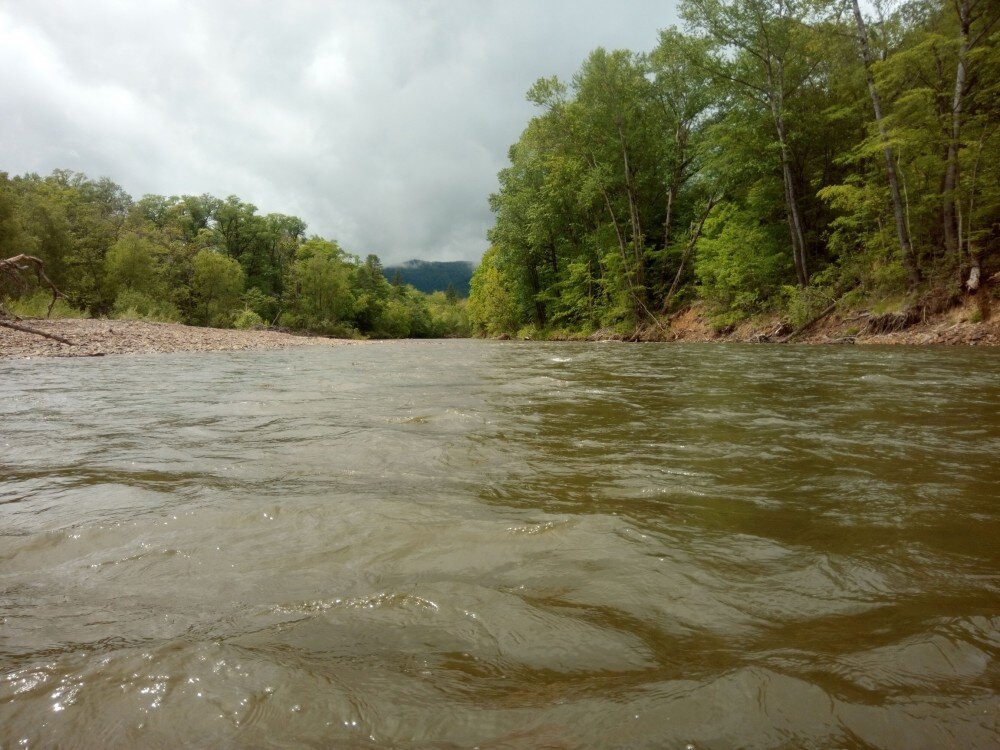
pixel 671 197
pixel 676 175
pixel 972 283
pixel 776 100
pixel 638 306
pixel 634 220
pixel 951 236
pixel 553 258
pixel 791 201
pixel 535 284
pixel 905 246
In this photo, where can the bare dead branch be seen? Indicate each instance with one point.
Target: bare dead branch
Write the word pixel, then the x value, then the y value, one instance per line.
pixel 28 329
pixel 13 271
pixel 13 268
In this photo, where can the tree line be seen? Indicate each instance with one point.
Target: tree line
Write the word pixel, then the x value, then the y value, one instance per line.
pixel 202 260
pixel 772 156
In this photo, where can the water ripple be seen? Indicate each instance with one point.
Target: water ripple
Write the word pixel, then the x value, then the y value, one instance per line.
pixel 452 544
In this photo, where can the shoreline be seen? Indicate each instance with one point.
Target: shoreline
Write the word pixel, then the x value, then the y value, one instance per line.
pixel 94 337
pixel 955 327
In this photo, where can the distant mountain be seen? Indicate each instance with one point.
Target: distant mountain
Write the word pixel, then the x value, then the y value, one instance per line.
pixel 434 276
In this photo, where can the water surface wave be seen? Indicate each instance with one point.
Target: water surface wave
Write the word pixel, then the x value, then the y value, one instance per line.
pixel 457 544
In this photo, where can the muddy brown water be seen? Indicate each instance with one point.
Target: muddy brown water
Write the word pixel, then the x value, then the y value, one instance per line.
pixel 506 545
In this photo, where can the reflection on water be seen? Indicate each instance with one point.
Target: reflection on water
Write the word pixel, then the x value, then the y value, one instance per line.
pixel 504 545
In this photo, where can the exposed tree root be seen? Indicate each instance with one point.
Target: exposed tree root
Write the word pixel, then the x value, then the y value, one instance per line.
pixel 891 322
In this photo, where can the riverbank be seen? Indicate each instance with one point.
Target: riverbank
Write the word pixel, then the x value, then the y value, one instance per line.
pixel 962 325
pixel 959 326
pixel 97 338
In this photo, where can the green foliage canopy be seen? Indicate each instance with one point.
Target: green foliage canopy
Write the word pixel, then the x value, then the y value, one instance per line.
pixel 742 158
pixel 204 260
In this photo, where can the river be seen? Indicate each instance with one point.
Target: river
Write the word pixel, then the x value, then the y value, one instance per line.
pixel 502 545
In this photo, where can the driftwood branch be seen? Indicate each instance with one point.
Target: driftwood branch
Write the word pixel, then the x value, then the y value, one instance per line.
pixel 28 329
pixel 811 322
pixel 14 270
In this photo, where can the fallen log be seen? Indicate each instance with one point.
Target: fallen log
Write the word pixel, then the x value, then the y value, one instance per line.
pixel 810 323
pixel 28 329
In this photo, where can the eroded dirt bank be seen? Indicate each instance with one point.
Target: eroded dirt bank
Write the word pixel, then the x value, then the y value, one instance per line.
pixel 960 326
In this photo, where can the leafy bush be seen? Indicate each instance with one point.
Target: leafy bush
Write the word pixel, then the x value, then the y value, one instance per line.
pixel 740 263
pixel 802 304
pixel 133 305
pixel 248 319
pixel 264 305
pixel 336 329
pixel 891 304
pixel 724 319
pixel 394 322
pixel 37 306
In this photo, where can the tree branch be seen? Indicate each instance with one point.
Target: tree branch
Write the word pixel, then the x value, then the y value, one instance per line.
pixel 12 269
pixel 28 329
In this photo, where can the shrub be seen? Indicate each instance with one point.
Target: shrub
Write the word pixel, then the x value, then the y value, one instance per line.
pixel 264 305
pixel 739 263
pixel 133 305
pixel 37 306
pixel 802 304
pixel 248 319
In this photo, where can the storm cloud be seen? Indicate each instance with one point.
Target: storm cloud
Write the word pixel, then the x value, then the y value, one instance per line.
pixel 380 123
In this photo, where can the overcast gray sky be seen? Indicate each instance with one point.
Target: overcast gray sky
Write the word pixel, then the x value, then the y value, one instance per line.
pixel 381 123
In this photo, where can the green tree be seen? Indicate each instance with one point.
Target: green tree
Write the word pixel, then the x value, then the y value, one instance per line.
pixel 217 285
pixel 371 292
pixel 394 320
pixel 321 297
pixel 12 240
pixel 491 309
pixel 136 281
pixel 767 51
pixel 447 317
pixel 131 263
pixel 898 210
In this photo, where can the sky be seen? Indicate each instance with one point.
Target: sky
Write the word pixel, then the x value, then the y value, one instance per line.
pixel 381 123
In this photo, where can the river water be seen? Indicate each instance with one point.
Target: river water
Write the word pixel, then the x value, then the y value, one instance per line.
pixel 502 545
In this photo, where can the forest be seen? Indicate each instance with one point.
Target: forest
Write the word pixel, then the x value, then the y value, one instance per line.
pixel 200 260
pixel 779 157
